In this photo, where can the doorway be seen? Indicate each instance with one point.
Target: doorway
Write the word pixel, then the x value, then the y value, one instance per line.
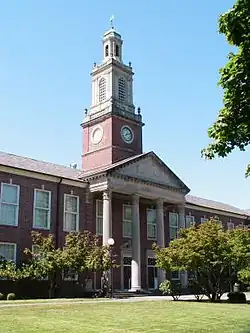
pixel 127 272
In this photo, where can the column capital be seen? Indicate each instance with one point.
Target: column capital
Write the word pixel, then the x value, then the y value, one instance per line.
pixel 107 194
pixel 135 197
pixel 160 201
pixel 181 208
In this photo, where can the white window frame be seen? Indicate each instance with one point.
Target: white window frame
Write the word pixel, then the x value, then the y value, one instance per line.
pixel 177 278
pixel 151 224
pixel 11 204
pixel 70 212
pixel 98 232
pixel 173 227
pixel 15 249
pixel 126 221
pixel 46 209
pixel 204 219
pixel 191 223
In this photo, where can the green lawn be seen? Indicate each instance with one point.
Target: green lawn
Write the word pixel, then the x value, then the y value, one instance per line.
pixel 124 317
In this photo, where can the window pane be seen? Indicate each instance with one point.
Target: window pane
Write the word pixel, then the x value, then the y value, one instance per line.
pixel 7 251
pixel 71 204
pixel 99 225
pixel 151 231
pixel 151 261
pixel 9 193
pixel 151 216
pixel 127 261
pixel 173 219
pixel 175 275
pixel 41 218
pixel 42 199
pixel 127 229
pixel 189 221
pixel 70 222
pixel 99 208
pixel 173 232
pixel 8 214
pixel 127 213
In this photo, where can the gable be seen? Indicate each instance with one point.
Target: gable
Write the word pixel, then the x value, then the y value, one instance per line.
pixel 152 170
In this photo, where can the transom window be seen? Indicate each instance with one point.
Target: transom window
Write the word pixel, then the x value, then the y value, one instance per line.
pixel 9 204
pixel 102 90
pixel 151 223
pixel 42 209
pixel 99 217
pixel 8 251
pixel 121 89
pixel 190 221
pixel 71 213
pixel 127 221
pixel 173 225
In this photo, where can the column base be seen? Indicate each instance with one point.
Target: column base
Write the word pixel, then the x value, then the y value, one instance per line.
pixel 135 289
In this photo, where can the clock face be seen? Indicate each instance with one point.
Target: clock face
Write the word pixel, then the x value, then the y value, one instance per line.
pixel 97 134
pixel 127 134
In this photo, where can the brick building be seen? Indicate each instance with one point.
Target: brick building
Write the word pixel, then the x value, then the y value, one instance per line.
pixel 119 192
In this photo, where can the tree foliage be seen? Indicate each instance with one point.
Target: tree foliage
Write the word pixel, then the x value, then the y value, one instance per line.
pixel 215 255
pixel 232 128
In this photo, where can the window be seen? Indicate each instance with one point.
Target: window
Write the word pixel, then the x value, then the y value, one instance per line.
pixel 173 225
pixel 42 207
pixel 8 251
pixel 102 90
pixel 117 53
pixel 71 213
pixel 151 223
pixel 69 275
pixel 230 225
pixel 99 217
pixel 127 221
pixel 9 204
pixel 175 275
pixel 190 221
pixel 204 219
pixel 121 89
pixel 152 273
pixel 106 51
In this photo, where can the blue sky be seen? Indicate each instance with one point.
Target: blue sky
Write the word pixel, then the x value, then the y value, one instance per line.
pixel 47 49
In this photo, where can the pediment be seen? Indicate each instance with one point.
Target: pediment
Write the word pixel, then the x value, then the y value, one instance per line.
pixel 150 168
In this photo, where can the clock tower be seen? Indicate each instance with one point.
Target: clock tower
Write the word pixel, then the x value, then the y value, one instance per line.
pixel 112 129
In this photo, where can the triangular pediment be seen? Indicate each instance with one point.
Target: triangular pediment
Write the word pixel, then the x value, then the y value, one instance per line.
pixel 149 167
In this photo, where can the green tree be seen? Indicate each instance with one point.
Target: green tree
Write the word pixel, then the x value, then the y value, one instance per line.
pixel 215 255
pixel 45 261
pixel 83 254
pixel 232 128
pixel 10 271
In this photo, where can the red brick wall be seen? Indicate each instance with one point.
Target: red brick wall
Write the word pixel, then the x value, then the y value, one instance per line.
pixel 111 148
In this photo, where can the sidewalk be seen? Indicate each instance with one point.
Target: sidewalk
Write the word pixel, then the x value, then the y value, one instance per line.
pixel 52 302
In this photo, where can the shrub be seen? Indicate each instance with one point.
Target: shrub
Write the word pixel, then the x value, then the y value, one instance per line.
pixel 1 296
pixel 236 297
pixel 171 289
pixel 196 289
pixel 11 297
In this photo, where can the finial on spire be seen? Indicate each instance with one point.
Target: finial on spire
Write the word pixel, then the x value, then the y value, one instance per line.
pixel 112 18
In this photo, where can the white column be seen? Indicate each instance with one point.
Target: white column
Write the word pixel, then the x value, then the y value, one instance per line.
pixel 182 224
pixel 107 219
pixel 136 246
pixel 160 234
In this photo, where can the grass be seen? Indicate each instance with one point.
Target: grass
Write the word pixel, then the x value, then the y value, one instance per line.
pixel 126 317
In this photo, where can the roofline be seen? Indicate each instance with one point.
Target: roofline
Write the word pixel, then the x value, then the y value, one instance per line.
pixel 43 173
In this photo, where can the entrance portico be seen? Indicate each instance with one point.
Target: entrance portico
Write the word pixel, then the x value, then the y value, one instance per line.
pixel 141 177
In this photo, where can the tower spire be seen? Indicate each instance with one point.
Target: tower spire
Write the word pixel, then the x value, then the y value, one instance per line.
pixel 112 18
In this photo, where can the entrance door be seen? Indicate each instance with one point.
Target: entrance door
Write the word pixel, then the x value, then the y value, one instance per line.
pixel 127 272
pixel 152 274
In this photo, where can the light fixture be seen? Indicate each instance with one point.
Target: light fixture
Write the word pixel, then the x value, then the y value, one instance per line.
pixel 111 241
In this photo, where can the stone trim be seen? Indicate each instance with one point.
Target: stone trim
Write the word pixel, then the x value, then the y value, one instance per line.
pixel 215 211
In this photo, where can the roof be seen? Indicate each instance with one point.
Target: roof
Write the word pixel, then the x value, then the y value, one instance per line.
pixel 214 205
pixel 26 163
pixel 127 161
